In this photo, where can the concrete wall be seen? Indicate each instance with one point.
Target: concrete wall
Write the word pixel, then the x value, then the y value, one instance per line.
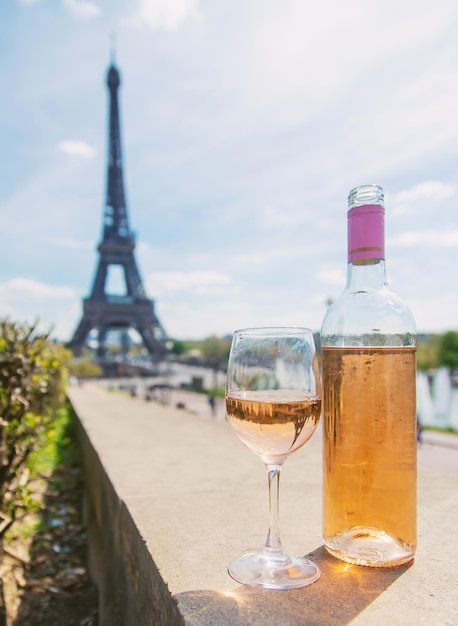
pixel 131 590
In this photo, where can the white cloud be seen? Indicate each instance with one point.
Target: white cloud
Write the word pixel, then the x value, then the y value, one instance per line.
pixel 250 259
pixel 273 252
pixel 430 238
pixel 17 289
pixel 73 244
pixel 332 275
pixel 75 147
pixel 82 9
pixel 404 202
pixel 437 317
pixel 55 307
pixel 166 14
pixel 201 282
pixel 52 307
pixel 276 217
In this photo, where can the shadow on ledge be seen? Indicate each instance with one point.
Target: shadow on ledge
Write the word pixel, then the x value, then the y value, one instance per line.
pixel 342 592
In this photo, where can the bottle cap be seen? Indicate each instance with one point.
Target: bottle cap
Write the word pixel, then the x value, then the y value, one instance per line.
pixel 366 232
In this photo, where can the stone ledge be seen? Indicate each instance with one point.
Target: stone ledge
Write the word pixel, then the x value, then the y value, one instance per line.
pixel 131 590
pixel 172 497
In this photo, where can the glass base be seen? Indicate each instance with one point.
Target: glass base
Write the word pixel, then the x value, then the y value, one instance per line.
pixel 261 569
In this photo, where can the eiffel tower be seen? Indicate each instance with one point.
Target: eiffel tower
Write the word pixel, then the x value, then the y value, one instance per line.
pixel 102 311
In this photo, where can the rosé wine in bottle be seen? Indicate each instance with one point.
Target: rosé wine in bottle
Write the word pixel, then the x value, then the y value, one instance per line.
pixel 368 342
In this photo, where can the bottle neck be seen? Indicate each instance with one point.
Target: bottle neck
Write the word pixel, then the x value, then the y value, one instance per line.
pixel 368 313
pixel 366 275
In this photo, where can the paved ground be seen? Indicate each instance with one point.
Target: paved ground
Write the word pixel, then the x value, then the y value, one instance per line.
pixel 437 451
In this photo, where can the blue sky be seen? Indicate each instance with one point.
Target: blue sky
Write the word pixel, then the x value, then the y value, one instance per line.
pixel 244 125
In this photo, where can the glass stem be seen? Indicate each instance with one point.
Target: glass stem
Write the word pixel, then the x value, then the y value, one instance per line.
pixel 273 541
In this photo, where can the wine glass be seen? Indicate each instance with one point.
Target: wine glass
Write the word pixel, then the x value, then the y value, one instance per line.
pixel 273 405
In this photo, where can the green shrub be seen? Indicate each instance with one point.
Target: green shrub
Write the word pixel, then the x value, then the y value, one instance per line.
pixel 33 375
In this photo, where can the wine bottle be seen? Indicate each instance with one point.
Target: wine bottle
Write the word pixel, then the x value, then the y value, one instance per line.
pixel 368 341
